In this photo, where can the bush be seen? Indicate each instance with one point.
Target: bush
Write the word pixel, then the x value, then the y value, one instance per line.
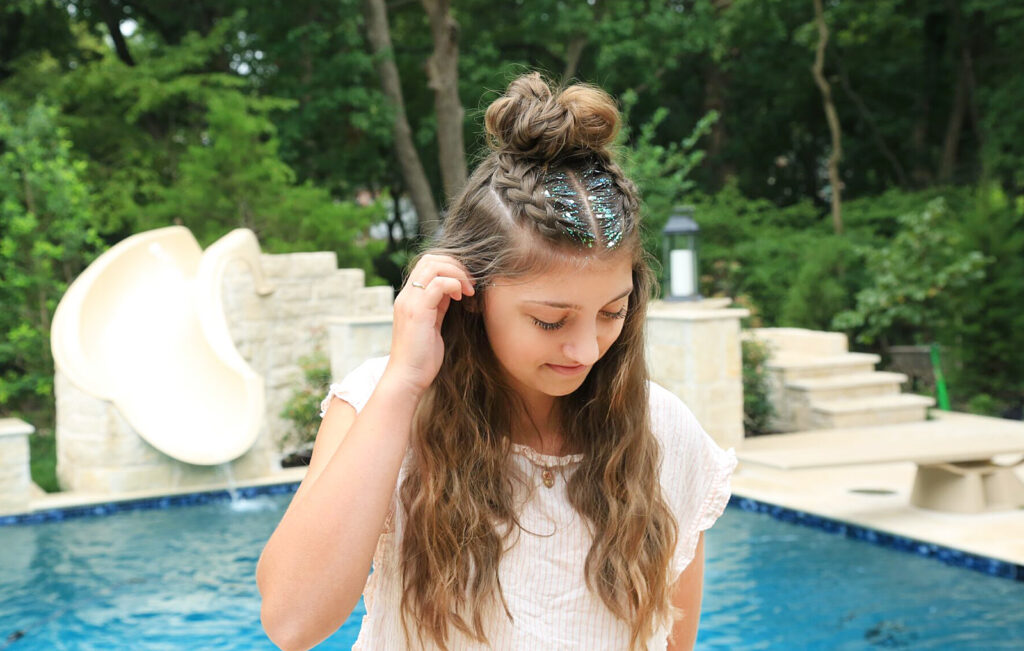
pixel 748 248
pixel 303 407
pixel 829 277
pixel 757 408
pixel 917 282
pixel 983 339
pixel 43 459
pixel 48 234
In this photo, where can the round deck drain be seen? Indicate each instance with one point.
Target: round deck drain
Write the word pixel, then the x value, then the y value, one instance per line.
pixel 873 491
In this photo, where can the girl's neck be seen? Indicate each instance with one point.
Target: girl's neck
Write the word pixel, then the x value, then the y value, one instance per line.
pixel 540 428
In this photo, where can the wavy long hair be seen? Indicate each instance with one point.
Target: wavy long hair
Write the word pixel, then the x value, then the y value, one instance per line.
pixel 458 495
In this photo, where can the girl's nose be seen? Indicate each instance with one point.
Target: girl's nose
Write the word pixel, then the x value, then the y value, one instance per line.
pixel 583 348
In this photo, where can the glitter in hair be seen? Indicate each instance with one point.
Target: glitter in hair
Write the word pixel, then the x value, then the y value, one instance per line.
pixel 601 195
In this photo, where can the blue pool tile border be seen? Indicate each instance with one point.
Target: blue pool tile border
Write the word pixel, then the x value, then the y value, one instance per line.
pixel 159 502
pixel 947 555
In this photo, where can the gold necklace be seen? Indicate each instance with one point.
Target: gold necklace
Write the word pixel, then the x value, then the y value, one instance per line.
pixel 547 475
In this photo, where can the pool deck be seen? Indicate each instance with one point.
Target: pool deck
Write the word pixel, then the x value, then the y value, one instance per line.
pixel 827 492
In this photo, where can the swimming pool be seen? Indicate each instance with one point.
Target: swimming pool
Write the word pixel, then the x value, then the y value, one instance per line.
pixel 183 578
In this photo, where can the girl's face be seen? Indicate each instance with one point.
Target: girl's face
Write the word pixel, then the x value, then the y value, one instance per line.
pixel 548 330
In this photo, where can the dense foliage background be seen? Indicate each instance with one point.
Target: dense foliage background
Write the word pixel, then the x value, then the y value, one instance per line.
pixel 118 116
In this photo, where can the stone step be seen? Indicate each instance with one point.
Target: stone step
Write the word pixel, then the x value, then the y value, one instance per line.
pixel 801 341
pixel 801 394
pixel 839 387
pixel 793 366
pixel 869 412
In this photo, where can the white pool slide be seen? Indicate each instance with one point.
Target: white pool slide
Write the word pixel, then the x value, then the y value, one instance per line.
pixel 144 327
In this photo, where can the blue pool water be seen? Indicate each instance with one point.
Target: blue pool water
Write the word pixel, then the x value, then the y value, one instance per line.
pixel 183 578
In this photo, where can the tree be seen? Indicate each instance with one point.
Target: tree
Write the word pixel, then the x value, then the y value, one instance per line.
pixel 443 78
pixel 48 234
pixel 835 183
pixel 379 35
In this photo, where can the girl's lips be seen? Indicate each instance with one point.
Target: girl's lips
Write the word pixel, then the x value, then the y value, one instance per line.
pixel 567 370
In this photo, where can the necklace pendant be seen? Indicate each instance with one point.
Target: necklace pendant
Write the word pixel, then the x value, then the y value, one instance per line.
pixel 548 477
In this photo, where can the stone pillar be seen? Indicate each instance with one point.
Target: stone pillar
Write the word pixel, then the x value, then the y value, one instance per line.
pixel 15 477
pixel 354 340
pixel 693 350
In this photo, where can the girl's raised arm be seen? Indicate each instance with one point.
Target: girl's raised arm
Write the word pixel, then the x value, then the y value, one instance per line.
pixel 313 569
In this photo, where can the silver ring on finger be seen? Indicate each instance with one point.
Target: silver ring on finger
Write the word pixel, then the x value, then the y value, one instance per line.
pixel 417 285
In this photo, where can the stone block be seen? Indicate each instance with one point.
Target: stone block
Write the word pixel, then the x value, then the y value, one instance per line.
pixel 283 377
pixel 375 301
pixel 312 265
pixel 121 479
pixel 353 341
pixel 256 463
pixel 293 292
pixel 276 266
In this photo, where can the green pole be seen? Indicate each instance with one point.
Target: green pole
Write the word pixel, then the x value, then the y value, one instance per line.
pixel 941 394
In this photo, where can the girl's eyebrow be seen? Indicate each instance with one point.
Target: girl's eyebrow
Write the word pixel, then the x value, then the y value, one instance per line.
pixel 573 306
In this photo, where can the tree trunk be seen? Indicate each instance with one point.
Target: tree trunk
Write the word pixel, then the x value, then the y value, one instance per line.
pixel 954 125
pixel 443 78
pixel 716 83
pixel 112 19
pixel 869 120
pixel 408 160
pixel 931 86
pixel 833 119
pixel 573 52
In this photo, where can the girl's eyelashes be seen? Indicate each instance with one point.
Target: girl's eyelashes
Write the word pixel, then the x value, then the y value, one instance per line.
pixel 621 314
pixel 548 326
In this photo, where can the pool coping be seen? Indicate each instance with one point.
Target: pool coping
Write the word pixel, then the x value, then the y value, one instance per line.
pixel 289 482
pixel 950 556
pixel 55 507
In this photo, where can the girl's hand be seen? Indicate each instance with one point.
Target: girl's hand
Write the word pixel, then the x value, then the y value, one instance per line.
pixel 416 345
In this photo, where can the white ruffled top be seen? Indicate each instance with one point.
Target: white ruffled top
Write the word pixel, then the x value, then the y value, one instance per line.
pixel 541 572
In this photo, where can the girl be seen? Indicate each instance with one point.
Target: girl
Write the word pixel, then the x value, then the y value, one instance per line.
pixel 513 476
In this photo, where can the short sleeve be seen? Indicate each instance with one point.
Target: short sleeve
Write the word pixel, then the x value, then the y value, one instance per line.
pixel 695 473
pixel 356 387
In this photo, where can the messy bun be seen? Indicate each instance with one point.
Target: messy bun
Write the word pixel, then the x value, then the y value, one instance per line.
pixel 532 121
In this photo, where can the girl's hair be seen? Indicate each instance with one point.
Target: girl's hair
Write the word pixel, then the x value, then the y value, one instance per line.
pixel 549 193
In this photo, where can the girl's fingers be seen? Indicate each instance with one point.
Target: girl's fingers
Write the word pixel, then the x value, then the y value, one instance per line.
pixel 438 290
pixel 442 309
pixel 432 266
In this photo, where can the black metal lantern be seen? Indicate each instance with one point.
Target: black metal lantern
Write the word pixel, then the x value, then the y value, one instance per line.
pixel 680 256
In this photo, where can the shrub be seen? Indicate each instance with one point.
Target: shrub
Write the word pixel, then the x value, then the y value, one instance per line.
pixel 917 281
pixel 757 408
pixel 829 277
pixel 302 409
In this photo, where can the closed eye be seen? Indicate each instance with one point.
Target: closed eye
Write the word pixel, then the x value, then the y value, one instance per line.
pixel 621 314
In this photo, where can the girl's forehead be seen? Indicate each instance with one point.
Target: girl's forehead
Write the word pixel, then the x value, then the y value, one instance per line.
pixel 568 279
